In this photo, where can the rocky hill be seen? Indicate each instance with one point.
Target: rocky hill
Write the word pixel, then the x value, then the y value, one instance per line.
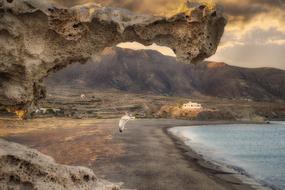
pixel 147 71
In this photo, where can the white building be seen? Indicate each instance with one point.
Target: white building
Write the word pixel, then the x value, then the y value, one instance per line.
pixel 82 96
pixel 192 106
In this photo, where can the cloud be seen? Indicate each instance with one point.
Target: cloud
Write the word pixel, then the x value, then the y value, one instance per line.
pixel 256 48
pixel 240 12
pixel 253 55
pixel 137 46
pixel 254 36
pixel 142 6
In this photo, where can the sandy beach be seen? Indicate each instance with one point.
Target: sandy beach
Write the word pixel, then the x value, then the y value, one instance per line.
pixel 145 156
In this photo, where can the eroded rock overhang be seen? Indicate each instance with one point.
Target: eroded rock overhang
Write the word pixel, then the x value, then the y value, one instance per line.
pixel 37 38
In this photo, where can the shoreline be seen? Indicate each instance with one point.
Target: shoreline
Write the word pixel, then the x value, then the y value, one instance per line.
pixel 209 164
pixel 145 156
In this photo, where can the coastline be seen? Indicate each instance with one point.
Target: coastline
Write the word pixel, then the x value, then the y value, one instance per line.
pixel 215 166
pixel 145 156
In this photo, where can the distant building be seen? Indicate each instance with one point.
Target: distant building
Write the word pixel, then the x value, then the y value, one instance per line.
pixel 192 106
pixel 82 96
pixel 47 110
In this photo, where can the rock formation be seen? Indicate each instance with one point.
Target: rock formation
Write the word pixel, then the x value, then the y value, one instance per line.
pixel 24 168
pixel 37 38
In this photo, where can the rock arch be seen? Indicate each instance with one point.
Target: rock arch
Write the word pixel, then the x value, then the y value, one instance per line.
pixel 37 38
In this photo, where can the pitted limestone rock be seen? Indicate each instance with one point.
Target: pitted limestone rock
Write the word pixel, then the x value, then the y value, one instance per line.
pixel 37 38
pixel 25 168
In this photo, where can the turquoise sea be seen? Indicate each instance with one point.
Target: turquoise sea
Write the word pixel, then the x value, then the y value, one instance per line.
pixel 258 149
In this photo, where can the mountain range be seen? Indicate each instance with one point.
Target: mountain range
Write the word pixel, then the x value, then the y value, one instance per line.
pixel 148 71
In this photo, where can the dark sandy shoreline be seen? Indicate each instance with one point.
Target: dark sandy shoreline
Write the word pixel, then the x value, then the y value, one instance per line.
pixel 145 156
pixel 225 172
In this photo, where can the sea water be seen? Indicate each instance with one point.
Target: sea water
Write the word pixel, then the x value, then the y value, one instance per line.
pixel 259 149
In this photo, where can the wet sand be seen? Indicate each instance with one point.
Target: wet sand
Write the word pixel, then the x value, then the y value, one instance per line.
pixel 144 157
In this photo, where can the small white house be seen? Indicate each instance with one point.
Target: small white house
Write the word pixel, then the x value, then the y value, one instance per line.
pixel 192 106
pixel 82 96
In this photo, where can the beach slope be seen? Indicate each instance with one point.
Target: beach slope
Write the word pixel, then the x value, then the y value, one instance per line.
pixel 145 156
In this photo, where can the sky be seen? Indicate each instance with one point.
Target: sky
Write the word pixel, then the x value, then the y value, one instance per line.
pixel 254 35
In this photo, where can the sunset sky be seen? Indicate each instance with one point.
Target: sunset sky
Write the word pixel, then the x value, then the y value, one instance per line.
pixel 254 36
